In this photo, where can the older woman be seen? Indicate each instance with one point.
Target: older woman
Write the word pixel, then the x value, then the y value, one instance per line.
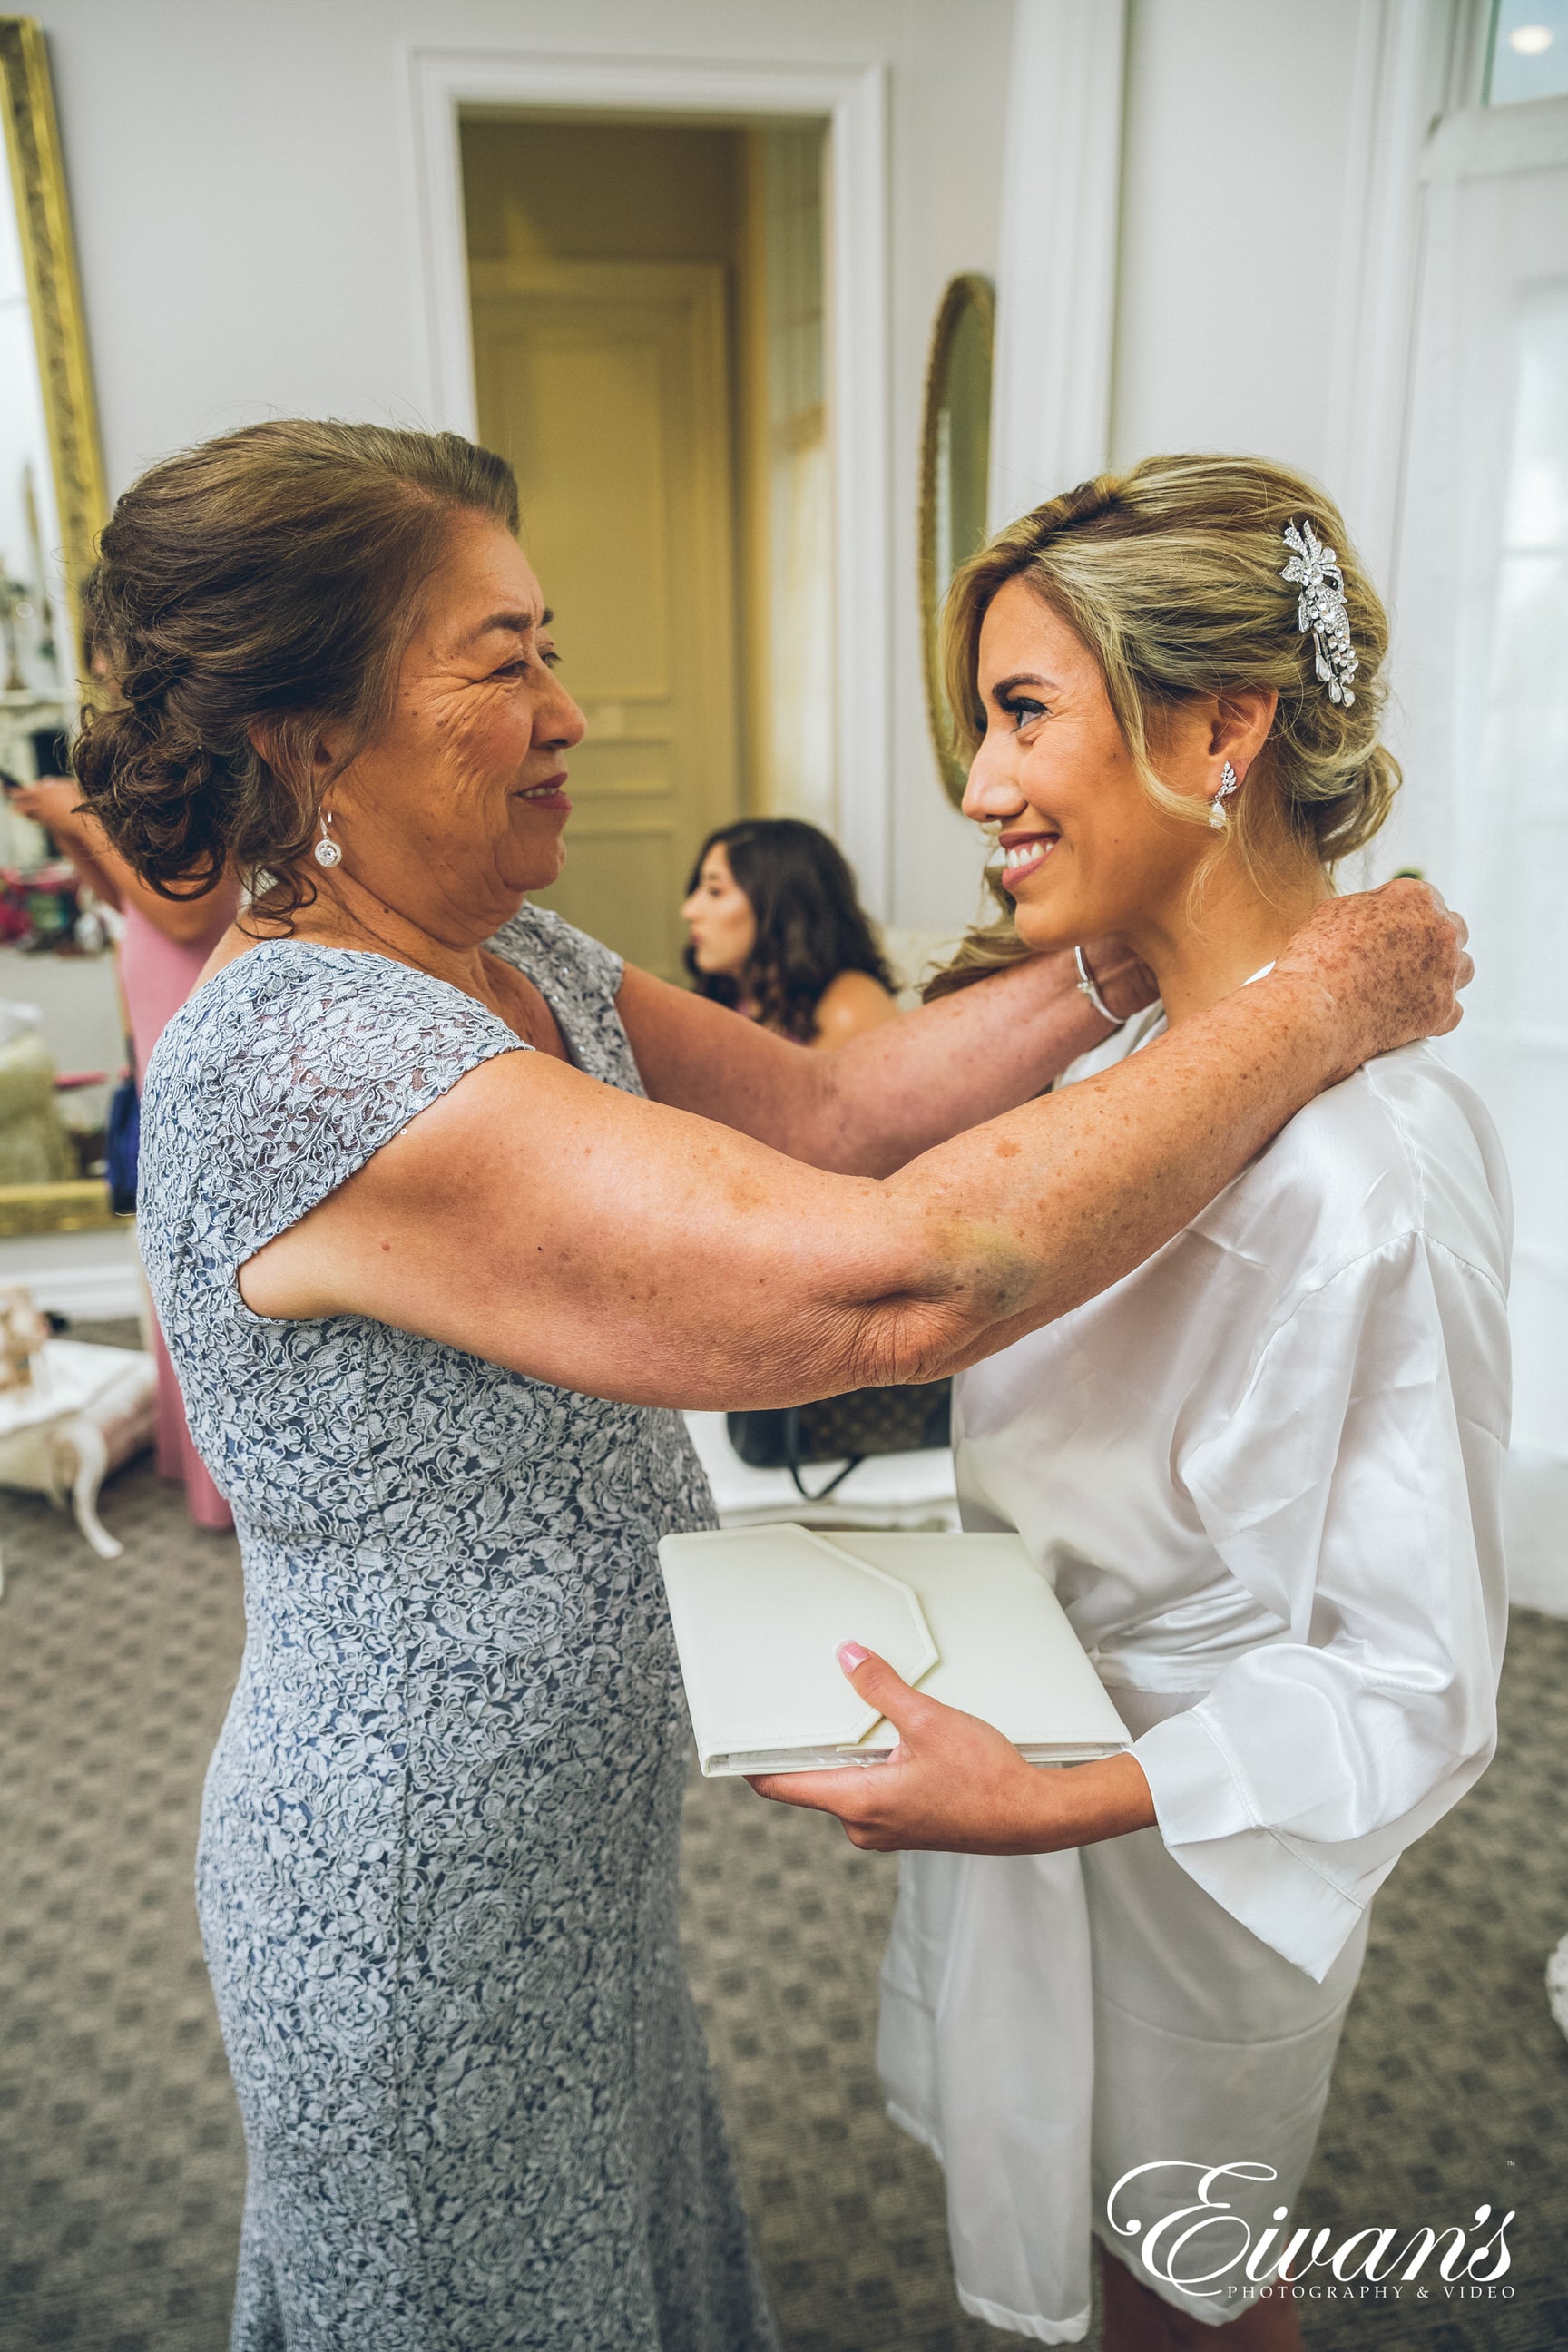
pixel 432 1265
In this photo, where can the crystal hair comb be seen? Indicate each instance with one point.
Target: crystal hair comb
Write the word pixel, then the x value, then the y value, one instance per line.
pixel 1315 569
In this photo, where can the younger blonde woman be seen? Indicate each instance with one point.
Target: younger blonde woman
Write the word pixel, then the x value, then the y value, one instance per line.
pixel 1262 1471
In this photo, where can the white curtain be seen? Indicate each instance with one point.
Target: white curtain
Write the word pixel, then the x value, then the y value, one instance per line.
pixel 1056 280
pixel 1481 659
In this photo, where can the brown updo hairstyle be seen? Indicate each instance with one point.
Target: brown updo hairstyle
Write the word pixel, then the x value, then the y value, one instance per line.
pixel 253 592
pixel 1170 574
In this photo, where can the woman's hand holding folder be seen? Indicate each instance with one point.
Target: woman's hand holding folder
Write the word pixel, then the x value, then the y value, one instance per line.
pixel 953 1785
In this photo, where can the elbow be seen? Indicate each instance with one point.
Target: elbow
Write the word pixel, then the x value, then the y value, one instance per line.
pixel 943 1297
pixel 908 1341
pixel 971 1290
pixel 896 1343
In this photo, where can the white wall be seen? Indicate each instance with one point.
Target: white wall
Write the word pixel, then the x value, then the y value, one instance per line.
pixel 242 187
pixel 1237 126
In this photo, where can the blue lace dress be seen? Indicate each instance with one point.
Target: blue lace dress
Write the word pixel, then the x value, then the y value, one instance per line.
pixel 439 1841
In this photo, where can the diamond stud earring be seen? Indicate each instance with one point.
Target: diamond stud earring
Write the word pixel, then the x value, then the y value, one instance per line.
pixel 1219 816
pixel 326 852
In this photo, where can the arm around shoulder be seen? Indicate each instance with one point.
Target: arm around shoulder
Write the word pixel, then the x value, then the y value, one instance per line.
pixel 616 1245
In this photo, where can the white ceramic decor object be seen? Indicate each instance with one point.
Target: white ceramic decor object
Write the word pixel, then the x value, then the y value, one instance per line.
pixel 86 1410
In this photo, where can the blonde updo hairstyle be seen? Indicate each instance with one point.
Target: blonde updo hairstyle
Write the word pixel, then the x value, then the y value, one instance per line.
pixel 1169 575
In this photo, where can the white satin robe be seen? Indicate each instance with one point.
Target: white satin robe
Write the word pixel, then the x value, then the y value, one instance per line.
pixel 1264 1473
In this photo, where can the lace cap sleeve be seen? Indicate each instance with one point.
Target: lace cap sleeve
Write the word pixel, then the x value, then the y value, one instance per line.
pixel 283 1076
pixel 575 959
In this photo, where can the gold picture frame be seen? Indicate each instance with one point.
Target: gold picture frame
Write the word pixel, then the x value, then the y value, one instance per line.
pixel 955 446
pixel 48 258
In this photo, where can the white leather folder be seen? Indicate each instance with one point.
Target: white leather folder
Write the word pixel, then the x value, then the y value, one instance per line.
pixel 759 1613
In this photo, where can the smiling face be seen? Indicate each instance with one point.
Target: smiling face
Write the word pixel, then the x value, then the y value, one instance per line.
pixel 1086 850
pixel 720 919
pixel 458 808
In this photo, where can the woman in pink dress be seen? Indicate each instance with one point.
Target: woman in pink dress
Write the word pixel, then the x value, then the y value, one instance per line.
pixel 164 944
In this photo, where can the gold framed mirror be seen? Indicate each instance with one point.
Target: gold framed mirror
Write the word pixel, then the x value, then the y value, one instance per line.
pixel 955 464
pixel 61 1028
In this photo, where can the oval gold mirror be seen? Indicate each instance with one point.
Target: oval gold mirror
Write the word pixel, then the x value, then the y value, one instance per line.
pixel 955 461
pixel 60 1027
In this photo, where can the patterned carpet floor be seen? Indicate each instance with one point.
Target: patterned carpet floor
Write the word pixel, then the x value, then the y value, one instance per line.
pixel 121 2161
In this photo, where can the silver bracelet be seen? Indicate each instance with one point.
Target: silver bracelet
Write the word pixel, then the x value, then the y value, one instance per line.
pixel 1086 987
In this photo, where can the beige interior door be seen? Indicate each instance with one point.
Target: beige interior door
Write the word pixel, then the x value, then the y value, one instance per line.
pixel 606 384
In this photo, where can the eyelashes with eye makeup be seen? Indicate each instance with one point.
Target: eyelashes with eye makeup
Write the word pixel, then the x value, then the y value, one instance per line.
pixel 1021 708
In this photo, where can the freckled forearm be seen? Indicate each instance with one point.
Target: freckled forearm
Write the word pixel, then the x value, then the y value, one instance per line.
pixel 887 1095
pixel 928 1076
pixel 604 1243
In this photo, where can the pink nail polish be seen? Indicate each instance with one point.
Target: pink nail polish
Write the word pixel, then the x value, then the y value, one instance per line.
pixel 851 1655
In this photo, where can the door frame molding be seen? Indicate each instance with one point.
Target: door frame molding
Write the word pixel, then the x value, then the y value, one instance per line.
pixel 851 100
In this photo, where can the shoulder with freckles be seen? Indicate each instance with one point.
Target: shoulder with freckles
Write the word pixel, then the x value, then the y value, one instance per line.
pixel 1403 1147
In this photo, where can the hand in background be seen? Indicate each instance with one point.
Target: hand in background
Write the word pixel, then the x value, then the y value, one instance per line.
pixel 52 801
pixel 189 919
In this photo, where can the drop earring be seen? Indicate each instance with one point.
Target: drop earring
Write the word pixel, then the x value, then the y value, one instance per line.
pixel 1219 816
pixel 326 852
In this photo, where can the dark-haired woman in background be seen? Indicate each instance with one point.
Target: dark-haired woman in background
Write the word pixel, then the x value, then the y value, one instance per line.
pixel 778 932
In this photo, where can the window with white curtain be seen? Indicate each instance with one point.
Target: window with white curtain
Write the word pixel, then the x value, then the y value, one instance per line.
pixel 1519 852
pixel 1481 664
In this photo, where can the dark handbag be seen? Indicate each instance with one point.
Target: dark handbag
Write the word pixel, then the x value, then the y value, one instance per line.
pixel 123 1145
pixel 905 1420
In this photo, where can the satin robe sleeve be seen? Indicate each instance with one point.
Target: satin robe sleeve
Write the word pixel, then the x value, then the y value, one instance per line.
pixel 1357 1491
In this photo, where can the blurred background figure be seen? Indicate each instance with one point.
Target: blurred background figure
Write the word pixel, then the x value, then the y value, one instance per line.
pixel 164 943
pixel 778 933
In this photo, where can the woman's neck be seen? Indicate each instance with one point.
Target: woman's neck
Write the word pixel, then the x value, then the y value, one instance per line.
pixel 346 914
pixel 1206 947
